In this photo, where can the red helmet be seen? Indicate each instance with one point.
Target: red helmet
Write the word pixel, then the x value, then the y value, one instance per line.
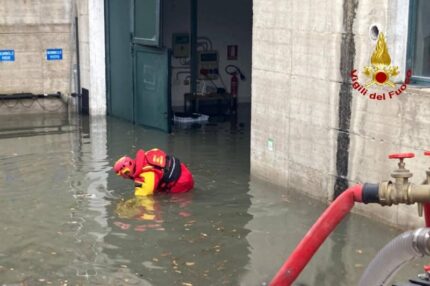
pixel 124 167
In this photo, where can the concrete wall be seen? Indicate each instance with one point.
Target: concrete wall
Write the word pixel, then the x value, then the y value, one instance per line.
pixel 225 23
pixel 29 28
pixel 32 106
pixel 310 131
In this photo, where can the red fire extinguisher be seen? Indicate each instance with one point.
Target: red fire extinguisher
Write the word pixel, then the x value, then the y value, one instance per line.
pixel 234 84
pixel 234 88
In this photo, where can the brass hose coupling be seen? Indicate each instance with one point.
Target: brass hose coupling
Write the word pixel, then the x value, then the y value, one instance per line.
pixel 401 191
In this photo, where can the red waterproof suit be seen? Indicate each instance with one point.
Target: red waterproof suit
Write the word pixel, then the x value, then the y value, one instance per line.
pixel 155 171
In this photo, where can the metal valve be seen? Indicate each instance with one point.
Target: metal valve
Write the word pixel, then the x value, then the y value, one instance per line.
pixel 401 174
pixel 398 191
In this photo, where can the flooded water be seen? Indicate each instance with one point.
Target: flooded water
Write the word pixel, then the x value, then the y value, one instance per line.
pixel 66 219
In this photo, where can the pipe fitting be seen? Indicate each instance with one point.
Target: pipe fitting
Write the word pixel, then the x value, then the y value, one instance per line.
pixel 421 241
pixel 397 253
pixel 393 194
pixel 401 191
pixel 419 193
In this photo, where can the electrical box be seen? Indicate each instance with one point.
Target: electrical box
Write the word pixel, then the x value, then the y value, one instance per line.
pixel 208 65
pixel 181 45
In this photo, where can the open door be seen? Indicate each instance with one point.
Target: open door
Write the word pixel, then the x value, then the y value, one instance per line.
pixel 119 60
pixel 152 88
pixel 152 103
pixel 138 65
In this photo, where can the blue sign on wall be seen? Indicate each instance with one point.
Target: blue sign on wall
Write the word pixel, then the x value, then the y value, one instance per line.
pixel 54 54
pixel 7 55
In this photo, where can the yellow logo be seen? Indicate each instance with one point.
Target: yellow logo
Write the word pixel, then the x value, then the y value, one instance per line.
pixel 380 71
pixel 158 159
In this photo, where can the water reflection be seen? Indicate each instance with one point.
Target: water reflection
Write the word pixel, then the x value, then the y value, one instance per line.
pixel 165 241
pixel 65 218
pixel 147 212
pixel 282 218
pixel 193 238
pixel 88 223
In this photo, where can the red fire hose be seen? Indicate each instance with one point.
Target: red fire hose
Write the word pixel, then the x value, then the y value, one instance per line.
pixel 427 205
pixel 316 236
pixel 427 214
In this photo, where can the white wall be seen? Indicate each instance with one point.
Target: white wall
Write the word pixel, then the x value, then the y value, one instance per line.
pixel 225 23
pixel 92 53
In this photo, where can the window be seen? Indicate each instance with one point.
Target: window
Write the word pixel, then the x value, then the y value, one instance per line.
pixel 147 22
pixel 419 40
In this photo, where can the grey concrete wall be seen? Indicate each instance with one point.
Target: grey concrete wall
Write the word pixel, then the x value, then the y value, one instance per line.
pixel 294 91
pixel 29 28
pixel 32 106
pixel 310 131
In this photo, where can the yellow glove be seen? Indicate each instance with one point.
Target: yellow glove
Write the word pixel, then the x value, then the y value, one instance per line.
pixel 144 186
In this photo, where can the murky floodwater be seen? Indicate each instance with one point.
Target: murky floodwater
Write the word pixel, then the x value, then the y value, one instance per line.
pixel 66 219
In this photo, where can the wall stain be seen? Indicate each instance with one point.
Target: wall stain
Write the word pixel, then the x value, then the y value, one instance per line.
pixel 345 96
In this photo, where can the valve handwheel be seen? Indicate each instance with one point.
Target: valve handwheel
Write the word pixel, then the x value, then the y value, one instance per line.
pixel 401 164
pixel 427 153
pixel 403 155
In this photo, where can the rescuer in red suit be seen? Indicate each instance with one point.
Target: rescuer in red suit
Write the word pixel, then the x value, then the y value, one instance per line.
pixel 154 171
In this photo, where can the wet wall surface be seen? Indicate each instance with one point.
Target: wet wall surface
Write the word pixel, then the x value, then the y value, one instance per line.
pixel 67 219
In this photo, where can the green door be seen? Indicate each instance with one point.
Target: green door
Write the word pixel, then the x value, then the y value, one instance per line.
pixel 151 67
pixel 152 88
pixel 120 63
pixel 138 65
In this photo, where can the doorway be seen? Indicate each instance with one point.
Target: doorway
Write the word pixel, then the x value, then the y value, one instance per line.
pixel 155 68
pixel 223 55
pixel 137 63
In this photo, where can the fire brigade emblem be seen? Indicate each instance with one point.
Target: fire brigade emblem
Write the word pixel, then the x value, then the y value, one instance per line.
pixel 380 71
